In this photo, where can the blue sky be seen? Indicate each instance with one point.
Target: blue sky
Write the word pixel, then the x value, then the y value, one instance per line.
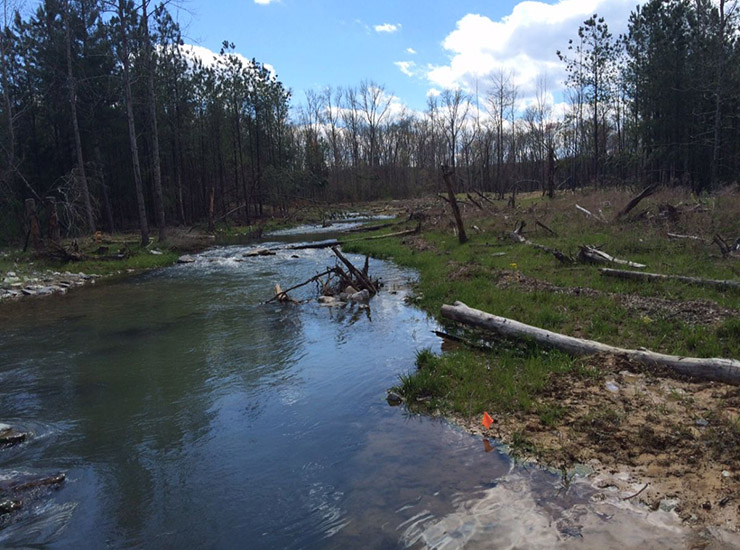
pixel 413 47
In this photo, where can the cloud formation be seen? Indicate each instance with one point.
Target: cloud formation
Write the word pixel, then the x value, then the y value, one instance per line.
pixel 406 67
pixel 523 43
pixel 387 27
pixel 411 51
pixel 266 2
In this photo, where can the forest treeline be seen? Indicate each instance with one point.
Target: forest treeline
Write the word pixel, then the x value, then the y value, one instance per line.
pixel 106 110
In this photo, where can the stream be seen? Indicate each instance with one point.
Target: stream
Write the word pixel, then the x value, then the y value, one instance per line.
pixel 185 412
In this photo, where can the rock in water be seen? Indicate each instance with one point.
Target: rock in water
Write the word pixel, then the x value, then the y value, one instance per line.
pixel 394 400
pixel 186 260
pixel 11 438
pixel 8 506
pixel 362 297
pixel 259 252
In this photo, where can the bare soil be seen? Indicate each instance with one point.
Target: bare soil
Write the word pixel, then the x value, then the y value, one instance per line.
pixel 670 444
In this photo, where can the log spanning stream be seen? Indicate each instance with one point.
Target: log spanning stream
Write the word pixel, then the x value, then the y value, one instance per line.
pixel 186 413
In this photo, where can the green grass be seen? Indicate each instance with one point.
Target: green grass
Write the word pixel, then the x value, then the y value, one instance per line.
pixel 137 258
pixel 507 379
pixel 467 382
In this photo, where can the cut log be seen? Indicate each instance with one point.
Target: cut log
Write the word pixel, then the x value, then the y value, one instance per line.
pixel 642 276
pixel 716 369
pixel 594 255
pixel 649 190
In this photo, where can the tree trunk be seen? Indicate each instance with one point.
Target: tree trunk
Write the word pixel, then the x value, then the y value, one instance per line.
pixel 72 88
pixel 153 126
pixel 447 176
pixel 128 97
pixel 717 146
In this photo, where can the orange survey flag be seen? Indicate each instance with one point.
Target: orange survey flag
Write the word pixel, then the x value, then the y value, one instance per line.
pixel 487 420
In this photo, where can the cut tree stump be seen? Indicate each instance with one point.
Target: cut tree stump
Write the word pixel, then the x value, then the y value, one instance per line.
pixel 714 369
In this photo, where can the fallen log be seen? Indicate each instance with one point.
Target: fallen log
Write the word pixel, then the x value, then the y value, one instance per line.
pixel 481 195
pixel 725 248
pixel 396 234
pixel 715 369
pixel 475 202
pixel 369 228
pixel 690 237
pixel 321 244
pixel 594 255
pixel 543 226
pixel 696 281
pixel 517 236
pixel 649 190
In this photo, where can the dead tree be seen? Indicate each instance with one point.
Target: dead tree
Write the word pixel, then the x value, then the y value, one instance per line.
pixel 636 200
pixel 447 175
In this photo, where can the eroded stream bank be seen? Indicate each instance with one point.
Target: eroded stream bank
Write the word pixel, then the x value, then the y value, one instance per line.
pixel 185 411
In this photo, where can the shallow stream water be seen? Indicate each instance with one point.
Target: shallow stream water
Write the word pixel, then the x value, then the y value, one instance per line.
pixel 187 413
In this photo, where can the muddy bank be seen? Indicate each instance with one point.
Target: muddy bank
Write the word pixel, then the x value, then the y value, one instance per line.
pixel 665 443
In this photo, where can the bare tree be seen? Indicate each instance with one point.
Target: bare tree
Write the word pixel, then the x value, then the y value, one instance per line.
pixel 501 104
pixel 455 107
pixel 374 105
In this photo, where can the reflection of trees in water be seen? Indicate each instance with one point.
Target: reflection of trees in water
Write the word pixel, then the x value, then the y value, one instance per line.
pixel 346 317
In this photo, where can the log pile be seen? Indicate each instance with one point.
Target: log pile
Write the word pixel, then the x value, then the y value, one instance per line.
pixel 336 285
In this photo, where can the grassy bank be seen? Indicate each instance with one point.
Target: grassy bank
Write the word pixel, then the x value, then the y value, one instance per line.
pixel 513 280
pixel 106 256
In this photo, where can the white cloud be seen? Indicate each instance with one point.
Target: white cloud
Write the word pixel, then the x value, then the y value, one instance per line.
pixel 411 51
pixel 433 92
pixel 523 43
pixel 388 27
pixel 266 2
pixel 209 58
pixel 406 67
